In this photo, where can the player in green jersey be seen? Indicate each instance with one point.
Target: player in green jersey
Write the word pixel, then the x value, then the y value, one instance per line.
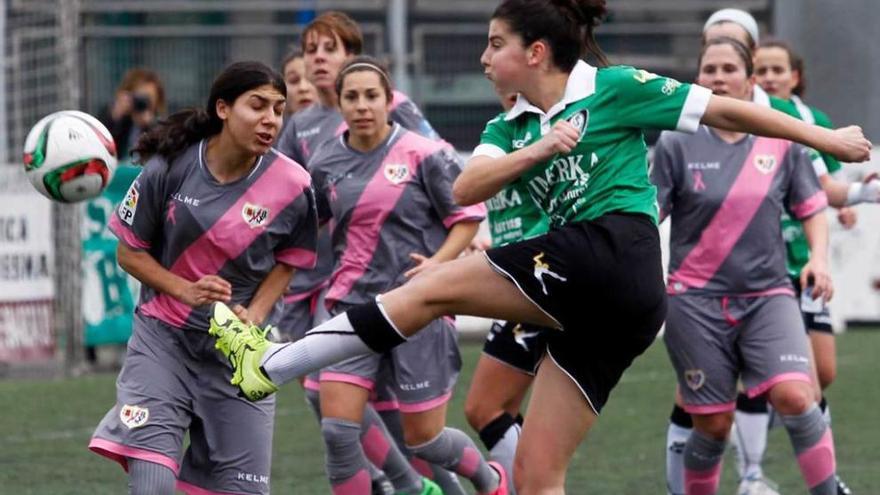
pixel 512 351
pixel 574 139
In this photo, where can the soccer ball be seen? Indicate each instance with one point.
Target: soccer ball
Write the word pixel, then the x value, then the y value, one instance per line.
pixel 69 156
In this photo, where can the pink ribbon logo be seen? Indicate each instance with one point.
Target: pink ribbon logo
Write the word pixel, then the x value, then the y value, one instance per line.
pixel 699 185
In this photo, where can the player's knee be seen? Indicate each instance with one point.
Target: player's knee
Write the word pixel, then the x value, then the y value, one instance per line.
pixel 420 434
pixel 791 397
pixel 531 475
pixel 478 414
pixel 715 426
pixel 340 435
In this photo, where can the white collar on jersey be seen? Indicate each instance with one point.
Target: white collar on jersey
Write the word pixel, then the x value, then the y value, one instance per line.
pixel 760 96
pixel 581 84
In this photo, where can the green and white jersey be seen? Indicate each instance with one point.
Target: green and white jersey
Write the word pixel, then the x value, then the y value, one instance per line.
pixel 607 171
pixel 796 246
pixel 513 214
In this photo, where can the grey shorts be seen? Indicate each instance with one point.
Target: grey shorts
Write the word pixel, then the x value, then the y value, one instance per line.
pixel 173 382
pixel 713 340
pixel 419 374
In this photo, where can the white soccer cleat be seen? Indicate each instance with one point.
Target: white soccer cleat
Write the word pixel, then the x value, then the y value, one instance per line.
pixel 757 486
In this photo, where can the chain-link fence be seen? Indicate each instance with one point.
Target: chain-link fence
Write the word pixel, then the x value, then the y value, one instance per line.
pixel 72 54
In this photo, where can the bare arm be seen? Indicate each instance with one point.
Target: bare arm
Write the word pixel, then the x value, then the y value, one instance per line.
pixel 847 143
pixel 142 266
pixel 460 236
pixel 484 177
pixel 835 190
pixel 270 290
pixel 816 230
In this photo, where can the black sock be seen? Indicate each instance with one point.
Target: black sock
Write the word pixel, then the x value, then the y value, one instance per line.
pixel 373 328
pixel 754 405
pixel 495 430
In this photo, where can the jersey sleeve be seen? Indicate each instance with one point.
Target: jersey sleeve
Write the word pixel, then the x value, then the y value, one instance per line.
pixel 439 170
pixel 495 141
pixel 805 196
pixel 287 145
pixel 646 100
pixel 138 219
pixel 407 114
pixel 663 175
pixel 298 248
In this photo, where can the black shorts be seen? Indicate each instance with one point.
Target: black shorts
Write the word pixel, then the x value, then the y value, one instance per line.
pixel 815 320
pixel 602 282
pixel 518 345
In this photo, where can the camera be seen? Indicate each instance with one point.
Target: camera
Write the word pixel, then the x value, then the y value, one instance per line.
pixel 140 102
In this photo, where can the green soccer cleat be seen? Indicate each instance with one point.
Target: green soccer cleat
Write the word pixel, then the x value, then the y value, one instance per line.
pixel 430 488
pixel 244 346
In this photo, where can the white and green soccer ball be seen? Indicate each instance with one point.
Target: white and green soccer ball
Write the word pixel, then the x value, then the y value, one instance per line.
pixel 69 156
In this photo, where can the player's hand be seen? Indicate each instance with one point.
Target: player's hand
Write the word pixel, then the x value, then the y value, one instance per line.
pixel 817 271
pixel 847 217
pixel 206 290
pixel 422 263
pixel 122 106
pixel 561 139
pixel 851 144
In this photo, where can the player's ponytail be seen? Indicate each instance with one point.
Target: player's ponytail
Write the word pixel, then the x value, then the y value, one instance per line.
pixel 174 134
pixel 567 26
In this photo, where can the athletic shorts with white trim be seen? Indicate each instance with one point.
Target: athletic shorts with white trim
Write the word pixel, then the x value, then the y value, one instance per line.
pixel 713 340
pixel 602 282
pixel 518 345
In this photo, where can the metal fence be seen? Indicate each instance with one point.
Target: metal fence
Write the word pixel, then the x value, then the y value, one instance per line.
pixel 72 53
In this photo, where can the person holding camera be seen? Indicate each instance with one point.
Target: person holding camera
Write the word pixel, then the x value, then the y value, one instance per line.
pixel 140 97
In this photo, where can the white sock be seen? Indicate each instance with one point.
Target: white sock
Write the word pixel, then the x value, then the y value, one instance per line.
pixel 328 343
pixel 676 438
pixel 750 442
pixel 505 451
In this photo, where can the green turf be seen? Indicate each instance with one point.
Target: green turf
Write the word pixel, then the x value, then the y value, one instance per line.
pixel 44 427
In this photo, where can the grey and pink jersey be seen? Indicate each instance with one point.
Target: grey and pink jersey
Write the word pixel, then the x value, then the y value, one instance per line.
pixel 385 204
pixel 306 131
pixel 195 226
pixel 725 200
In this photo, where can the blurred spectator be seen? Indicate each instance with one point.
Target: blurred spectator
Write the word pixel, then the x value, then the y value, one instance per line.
pixel 300 92
pixel 140 98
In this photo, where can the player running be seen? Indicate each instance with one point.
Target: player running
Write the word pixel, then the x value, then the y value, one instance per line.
pixel 574 139
pixel 215 215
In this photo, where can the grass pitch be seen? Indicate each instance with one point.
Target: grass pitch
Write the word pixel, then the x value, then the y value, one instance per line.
pixel 45 425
